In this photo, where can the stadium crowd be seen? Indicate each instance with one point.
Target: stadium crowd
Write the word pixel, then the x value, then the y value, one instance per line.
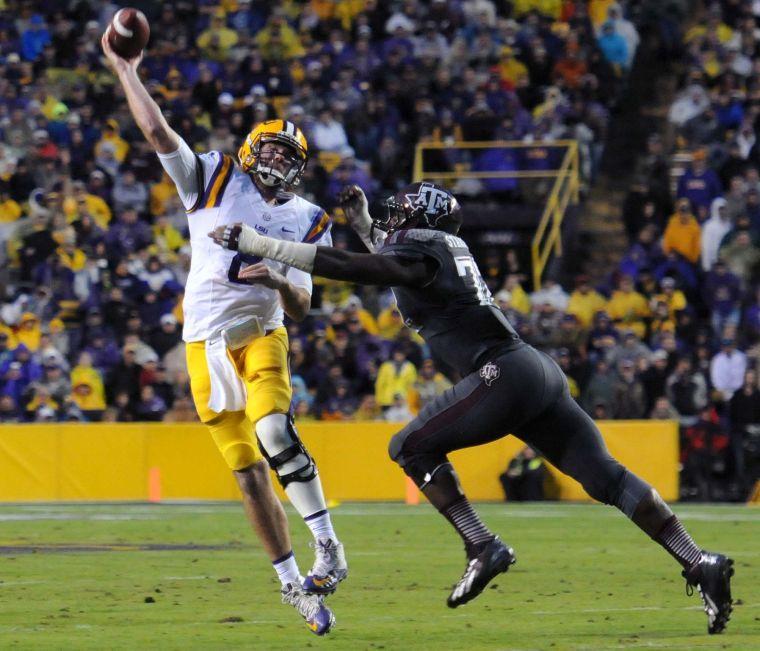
pixel 694 258
pixel 95 248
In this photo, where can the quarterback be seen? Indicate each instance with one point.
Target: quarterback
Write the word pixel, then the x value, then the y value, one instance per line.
pixel 237 347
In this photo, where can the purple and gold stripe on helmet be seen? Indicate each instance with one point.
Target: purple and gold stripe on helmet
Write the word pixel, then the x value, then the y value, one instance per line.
pixel 319 226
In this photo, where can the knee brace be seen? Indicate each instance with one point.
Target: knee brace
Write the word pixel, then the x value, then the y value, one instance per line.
pixel 283 450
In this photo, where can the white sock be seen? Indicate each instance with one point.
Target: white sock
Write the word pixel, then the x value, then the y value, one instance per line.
pixel 320 525
pixel 287 569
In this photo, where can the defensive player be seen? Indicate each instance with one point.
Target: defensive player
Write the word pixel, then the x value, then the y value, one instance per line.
pixel 507 385
pixel 237 347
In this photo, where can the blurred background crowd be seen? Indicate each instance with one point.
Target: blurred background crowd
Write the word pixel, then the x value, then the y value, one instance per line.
pixel 95 251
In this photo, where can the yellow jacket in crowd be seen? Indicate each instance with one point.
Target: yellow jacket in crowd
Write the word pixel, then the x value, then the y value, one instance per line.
pixel 97 208
pixel 111 135
pixel 10 211
pixel 551 8
pixel 392 379
pixel 87 388
pixel 28 332
pixel 74 259
pixel 584 306
pixel 628 309
pixel 684 237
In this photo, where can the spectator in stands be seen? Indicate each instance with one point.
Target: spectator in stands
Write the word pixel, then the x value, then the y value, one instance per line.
pixel 9 411
pixel 614 47
pixel 166 336
pixel 742 256
pixel 150 407
pixel 727 369
pixel 129 234
pixel 735 199
pixel 395 377
pixel 687 391
pixel 654 379
pixel 629 348
pixel 428 385
pixel 703 455
pixel 629 397
pixel 87 387
pixel 328 134
pixel 55 382
pixel 585 302
pixel 524 477
pixel 368 409
pixel 699 184
pixel 128 192
pixel 600 389
pixel 663 410
pixel 29 331
pixel 216 41
pixel 552 294
pixel 722 290
pixel 398 411
pixel 628 308
pixel 683 234
pixel 713 232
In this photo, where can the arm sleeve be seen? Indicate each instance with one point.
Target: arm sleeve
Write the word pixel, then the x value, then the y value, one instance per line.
pixel 186 170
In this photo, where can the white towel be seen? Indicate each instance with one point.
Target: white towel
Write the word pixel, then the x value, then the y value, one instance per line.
pixel 227 389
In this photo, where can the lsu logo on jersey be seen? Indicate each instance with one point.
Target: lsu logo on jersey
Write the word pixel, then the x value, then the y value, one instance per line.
pixel 430 198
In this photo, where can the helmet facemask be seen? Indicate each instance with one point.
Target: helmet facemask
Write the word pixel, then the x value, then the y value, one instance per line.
pixel 265 169
pixel 420 205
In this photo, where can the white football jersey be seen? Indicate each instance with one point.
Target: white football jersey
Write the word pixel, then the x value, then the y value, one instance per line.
pixel 213 295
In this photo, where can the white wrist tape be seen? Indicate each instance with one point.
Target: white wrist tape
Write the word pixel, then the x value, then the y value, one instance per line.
pixel 294 254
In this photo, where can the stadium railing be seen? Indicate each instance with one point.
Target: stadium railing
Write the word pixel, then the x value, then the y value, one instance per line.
pixel 500 165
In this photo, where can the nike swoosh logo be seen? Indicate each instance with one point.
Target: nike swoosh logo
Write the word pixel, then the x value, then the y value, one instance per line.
pixel 286 230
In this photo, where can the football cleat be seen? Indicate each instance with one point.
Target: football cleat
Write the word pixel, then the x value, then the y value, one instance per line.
pixel 495 558
pixel 712 577
pixel 330 567
pixel 319 618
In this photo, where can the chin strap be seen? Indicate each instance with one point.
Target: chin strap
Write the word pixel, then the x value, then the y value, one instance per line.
pixel 295 254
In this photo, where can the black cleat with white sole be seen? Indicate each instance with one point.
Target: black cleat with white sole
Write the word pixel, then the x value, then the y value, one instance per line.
pixel 495 558
pixel 712 577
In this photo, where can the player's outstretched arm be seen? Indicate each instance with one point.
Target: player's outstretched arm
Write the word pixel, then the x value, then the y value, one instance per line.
pixel 363 268
pixel 146 112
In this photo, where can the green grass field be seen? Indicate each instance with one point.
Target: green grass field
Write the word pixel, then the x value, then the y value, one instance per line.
pixel 96 577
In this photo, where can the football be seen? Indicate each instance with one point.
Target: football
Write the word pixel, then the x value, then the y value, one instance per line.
pixel 128 32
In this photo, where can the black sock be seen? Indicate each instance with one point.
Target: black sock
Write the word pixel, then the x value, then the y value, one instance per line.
pixel 468 525
pixel 677 541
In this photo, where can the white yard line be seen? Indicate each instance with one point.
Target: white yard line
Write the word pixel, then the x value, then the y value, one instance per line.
pixel 627 609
